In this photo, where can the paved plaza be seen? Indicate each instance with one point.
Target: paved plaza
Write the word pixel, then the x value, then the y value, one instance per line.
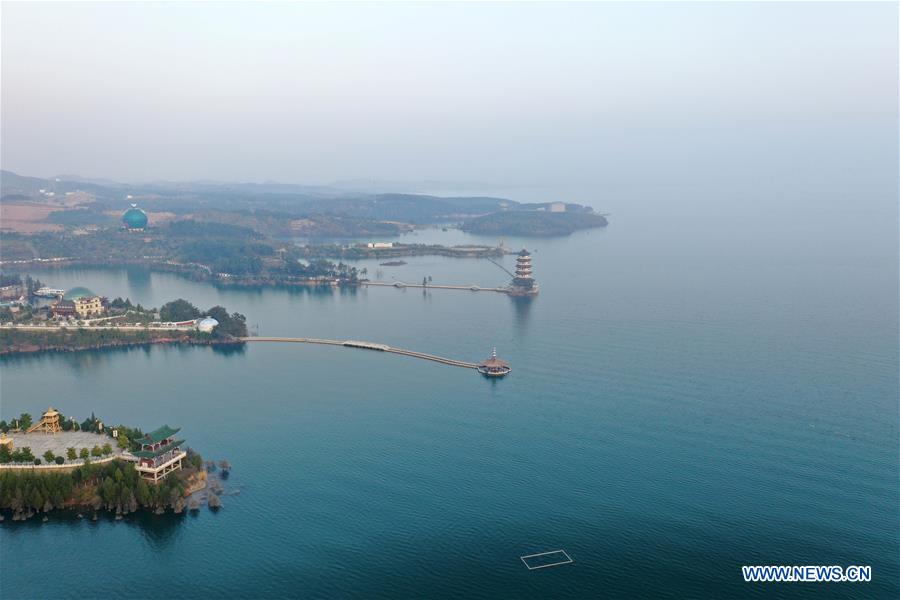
pixel 58 443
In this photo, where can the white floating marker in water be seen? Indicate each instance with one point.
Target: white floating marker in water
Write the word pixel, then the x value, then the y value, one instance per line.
pixel 542 560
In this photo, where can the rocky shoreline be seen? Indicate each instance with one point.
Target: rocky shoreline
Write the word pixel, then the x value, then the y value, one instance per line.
pixel 203 486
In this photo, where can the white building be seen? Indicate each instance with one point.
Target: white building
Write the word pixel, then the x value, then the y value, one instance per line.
pixel 206 324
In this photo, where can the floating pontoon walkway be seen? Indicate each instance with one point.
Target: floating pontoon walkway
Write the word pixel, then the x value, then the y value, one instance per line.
pixel 366 346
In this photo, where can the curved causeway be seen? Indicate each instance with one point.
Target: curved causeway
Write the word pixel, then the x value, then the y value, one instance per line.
pixel 365 346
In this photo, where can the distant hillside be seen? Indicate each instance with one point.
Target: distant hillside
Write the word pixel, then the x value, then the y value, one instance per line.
pixel 533 223
pixel 278 209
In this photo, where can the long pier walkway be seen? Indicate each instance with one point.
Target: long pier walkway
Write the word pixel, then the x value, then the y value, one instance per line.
pixel 471 288
pixel 365 346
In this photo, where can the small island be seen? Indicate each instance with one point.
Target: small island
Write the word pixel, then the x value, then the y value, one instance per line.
pixel 534 222
pixel 60 463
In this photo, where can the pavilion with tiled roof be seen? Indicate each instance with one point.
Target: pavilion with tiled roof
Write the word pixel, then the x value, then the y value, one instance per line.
pixel 494 367
pixel 160 453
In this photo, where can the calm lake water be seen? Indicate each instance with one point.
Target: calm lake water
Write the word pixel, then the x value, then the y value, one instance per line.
pixel 695 389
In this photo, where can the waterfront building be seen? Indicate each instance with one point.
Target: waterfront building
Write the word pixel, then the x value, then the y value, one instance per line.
pixel 557 207
pixel 89 306
pixel 49 422
pixel 206 324
pixel 11 292
pixel 160 454
pixel 134 219
pixel 63 308
pixel 494 367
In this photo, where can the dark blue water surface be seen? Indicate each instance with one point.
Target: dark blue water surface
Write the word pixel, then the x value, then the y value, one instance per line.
pixel 694 389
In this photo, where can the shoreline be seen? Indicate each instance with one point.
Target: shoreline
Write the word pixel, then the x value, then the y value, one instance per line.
pixel 33 349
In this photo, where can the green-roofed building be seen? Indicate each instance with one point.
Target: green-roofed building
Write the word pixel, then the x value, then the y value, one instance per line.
pixel 160 453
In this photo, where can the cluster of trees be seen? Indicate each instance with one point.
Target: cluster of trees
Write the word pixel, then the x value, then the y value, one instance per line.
pixel 17 340
pixel 230 325
pixel 28 283
pixel 23 422
pixel 10 279
pixel 24 455
pixel 114 486
pixel 319 268
pixel 533 223
pixel 178 310
pixel 233 325
pixel 127 436
pixel 19 455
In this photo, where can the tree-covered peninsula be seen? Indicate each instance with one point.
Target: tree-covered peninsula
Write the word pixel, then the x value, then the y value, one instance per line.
pixel 31 329
pixel 81 479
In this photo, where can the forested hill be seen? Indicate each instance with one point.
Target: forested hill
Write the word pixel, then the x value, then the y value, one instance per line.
pixel 278 210
pixel 533 223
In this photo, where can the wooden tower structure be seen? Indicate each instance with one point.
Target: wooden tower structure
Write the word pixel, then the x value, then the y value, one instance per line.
pixel 49 422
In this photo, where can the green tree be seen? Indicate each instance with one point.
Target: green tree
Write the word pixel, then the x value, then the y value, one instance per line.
pixel 5 454
pixel 96 451
pixel 84 453
pixel 25 420
pixel 107 449
pixel 60 460
pixel 178 310
pixel 71 453
pixel 26 454
pixel 49 456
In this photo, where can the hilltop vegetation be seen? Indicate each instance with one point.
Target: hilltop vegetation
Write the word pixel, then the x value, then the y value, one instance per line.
pixel 277 210
pixel 218 251
pixel 533 223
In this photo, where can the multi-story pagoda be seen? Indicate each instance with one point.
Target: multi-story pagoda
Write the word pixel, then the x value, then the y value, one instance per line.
pixel 523 283
pixel 160 454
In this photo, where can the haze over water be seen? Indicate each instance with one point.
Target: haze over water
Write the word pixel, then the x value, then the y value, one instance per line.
pixel 721 396
pixel 711 381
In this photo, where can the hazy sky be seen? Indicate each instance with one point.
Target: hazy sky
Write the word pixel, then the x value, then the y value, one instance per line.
pixel 503 93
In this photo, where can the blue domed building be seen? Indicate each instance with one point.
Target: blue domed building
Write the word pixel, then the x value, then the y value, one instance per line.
pixel 134 218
